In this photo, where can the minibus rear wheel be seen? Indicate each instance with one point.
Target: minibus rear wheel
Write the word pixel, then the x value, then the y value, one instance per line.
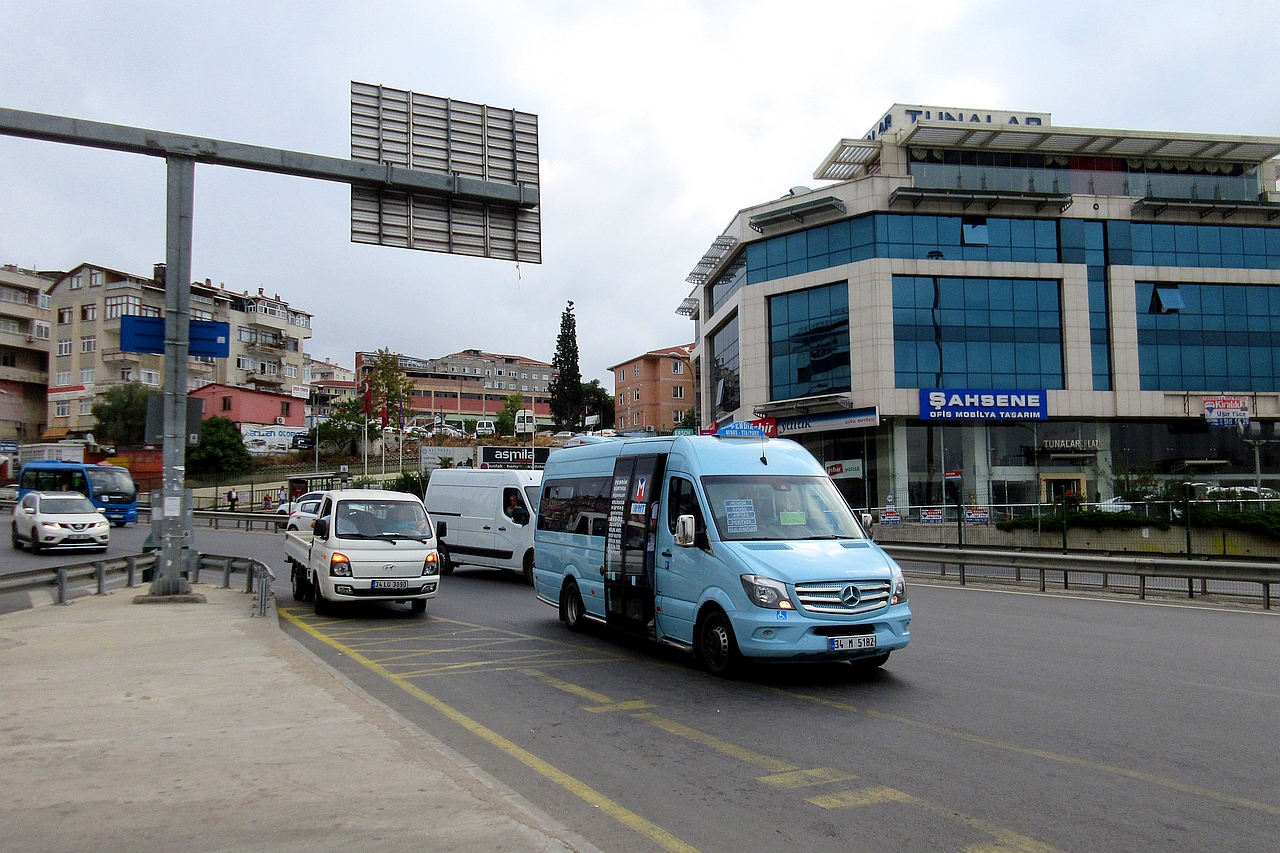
pixel 715 645
pixel 571 607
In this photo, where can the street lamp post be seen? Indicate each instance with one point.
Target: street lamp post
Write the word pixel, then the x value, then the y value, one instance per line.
pixel 1253 435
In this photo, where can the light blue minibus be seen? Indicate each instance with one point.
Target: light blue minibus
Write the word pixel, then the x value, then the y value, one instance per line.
pixel 729 548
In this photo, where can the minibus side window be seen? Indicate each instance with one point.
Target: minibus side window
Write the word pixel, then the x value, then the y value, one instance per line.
pixel 682 500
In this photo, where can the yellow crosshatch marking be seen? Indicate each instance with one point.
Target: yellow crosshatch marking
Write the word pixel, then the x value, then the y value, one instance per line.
pixel 862 797
pixel 634 705
pixel 804 778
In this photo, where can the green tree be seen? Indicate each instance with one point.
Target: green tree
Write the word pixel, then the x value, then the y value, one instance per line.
pixel 566 388
pixel 122 414
pixel 505 421
pixel 342 430
pixel 221 450
pixel 391 386
pixel 596 400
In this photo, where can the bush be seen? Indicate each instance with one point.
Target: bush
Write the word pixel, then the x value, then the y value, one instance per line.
pixel 1089 519
pixel 412 482
pixel 1262 522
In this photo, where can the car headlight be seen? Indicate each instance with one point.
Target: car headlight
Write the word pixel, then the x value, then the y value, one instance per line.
pixel 49 525
pixel 101 524
pixel 899 584
pixel 767 592
pixel 431 565
pixel 339 566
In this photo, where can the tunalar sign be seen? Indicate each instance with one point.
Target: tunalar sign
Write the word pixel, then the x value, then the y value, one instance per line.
pixel 941 404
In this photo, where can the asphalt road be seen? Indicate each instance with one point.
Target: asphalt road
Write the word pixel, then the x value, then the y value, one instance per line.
pixel 1013 722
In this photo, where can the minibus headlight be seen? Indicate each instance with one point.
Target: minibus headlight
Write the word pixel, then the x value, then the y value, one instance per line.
pixel 767 592
pixel 899 587
pixel 339 566
pixel 431 565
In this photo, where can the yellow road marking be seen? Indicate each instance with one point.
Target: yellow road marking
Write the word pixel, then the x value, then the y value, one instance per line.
pixel 862 797
pixel 803 778
pixel 567 687
pixel 623 815
pixel 1149 778
pixel 774 765
pixel 634 705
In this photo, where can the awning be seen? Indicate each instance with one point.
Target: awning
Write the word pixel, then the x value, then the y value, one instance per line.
pixel 849 159
pixel 989 198
pixel 54 433
pixel 796 212
pixel 1205 206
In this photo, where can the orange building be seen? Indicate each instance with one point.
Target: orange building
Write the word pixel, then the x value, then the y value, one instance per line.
pixel 655 391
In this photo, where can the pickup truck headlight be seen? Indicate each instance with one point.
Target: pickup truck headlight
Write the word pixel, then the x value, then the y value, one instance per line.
pixel 431 565
pixel 339 566
pixel 767 592
pixel 899 594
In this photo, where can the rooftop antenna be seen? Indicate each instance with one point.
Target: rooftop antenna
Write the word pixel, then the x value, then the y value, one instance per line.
pixel 763 439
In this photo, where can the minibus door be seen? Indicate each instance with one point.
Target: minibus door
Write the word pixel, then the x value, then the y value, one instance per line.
pixel 629 545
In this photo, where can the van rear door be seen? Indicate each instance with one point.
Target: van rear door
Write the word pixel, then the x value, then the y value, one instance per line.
pixel 629 546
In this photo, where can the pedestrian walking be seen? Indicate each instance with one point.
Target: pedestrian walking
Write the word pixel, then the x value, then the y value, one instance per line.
pixel 232 497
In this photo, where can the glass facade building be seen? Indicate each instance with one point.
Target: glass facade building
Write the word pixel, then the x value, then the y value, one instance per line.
pixel 809 342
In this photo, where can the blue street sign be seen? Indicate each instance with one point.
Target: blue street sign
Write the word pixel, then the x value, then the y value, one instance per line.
pixel 146 334
pixel 8 447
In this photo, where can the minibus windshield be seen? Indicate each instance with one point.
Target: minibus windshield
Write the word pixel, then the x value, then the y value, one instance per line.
pixel 778 507
pixel 110 481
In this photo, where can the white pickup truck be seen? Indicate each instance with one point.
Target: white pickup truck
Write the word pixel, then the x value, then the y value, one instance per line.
pixel 366 545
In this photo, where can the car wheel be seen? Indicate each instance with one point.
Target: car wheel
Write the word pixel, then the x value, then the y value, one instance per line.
pixel 418 605
pixel 36 547
pixel 446 563
pixel 293 527
pixel 323 607
pixel 17 543
pixel 572 611
pixel 528 568
pixel 715 645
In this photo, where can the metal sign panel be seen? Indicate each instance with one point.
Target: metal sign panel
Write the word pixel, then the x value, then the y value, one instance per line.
pixel 457 138
pixel 512 457
pixel 207 338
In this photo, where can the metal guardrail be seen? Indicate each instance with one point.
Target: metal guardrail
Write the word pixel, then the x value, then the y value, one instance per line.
pixel 1142 567
pixel 60 576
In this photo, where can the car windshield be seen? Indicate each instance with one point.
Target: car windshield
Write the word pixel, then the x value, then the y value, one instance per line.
pixel 66 506
pixel 779 507
pixel 381 519
pixel 111 481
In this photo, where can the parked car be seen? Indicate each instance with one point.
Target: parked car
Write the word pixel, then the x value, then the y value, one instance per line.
pixel 59 520
pixel 305 515
pixel 289 507
pixel 1116 504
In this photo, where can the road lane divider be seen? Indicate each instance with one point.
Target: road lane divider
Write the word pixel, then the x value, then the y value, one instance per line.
pixel 618 812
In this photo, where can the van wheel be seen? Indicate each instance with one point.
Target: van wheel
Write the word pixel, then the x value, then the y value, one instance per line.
pixel 528 568
pixel 572 612
pixel 446 563
pixel 715 646
pixel 418 605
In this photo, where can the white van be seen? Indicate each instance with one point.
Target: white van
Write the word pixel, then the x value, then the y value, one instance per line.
pixel 485 428
pixel 484 517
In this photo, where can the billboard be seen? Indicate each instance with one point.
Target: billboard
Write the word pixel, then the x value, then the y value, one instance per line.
pixel 1226 411
pixel 512 457
pixel 261 439
pixel 457 139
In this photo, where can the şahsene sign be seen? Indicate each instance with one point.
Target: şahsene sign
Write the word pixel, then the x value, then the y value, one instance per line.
pixel 937 404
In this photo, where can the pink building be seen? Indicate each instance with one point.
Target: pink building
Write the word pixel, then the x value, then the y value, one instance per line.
pixel 247 406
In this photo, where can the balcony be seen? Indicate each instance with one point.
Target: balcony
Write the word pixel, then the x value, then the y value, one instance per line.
pixel 114 355
pixel 1191 185
pixel 19 374
pixel 262 378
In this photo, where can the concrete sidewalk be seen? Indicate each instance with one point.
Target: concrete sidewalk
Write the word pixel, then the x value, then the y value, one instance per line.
pixel 195 727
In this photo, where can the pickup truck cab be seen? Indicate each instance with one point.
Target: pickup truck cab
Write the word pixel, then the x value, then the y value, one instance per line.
pixel 366 545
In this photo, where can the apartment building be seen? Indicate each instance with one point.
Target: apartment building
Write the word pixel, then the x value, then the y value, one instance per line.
pixel 86 304
pixel 24 352
pixel 655 391
pixel 329 384
pixel 472 384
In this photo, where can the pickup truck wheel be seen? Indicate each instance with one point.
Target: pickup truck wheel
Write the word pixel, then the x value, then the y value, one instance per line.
pixel 418 605
pixel 572 611
pixel 446 564
pixel 301 586
pixel 528 568
pixel 323 607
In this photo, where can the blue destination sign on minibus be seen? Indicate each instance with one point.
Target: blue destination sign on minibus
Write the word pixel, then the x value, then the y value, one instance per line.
pixel 941 404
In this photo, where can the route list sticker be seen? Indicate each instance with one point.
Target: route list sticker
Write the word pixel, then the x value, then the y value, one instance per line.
pixel 740 515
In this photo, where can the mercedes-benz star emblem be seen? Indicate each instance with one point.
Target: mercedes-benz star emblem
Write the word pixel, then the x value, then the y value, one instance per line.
pixel 850 596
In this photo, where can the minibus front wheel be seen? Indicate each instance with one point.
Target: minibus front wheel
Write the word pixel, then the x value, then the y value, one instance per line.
pixel 572 611
pixel 716 647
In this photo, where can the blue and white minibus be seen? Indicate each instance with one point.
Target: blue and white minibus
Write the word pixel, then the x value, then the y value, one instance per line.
pixel 109 487
pixel 729 548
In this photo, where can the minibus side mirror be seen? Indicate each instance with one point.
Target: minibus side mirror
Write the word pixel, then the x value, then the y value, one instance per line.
pixel 686 531
pixel 321 529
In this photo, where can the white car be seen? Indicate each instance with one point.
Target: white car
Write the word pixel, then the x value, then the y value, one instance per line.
pixel 305 515
pixel 289 507
pixel 1116 504
pixel 59 520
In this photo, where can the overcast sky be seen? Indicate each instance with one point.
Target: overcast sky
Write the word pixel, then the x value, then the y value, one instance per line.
pixel 658 121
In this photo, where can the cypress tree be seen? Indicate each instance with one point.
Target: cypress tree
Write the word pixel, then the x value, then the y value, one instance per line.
pixel 566 387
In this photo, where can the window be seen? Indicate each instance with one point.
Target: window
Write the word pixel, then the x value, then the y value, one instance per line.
pixel 64 316
pixel 150 377
pixel 622 376
pixel 500 373
pixel 89 343
pixel 635 370
pixel 77 281
pixel 199 314
pixel 246 335
pixel 677 392
pixel 9 324
pixel 40 329
pixel 809 342
pixel 635 419
pixel 226 404
pixel 86 376
pixel 724 360
pixel 488 373
pixel 126 374
pixel 86 406
pixel 285 408
pixel 64 347
pixel 243 363
pixel 290 370
pixel 270 368
pixel 62 409
pixel 89 312
pixel 524 376
pixel 44 301
pixel 677 417
pixel 524 387
pixel 683 500
pixel 973 231
pixel 96 278
pixel 677 366
pixel 636 392
pixel 62 377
